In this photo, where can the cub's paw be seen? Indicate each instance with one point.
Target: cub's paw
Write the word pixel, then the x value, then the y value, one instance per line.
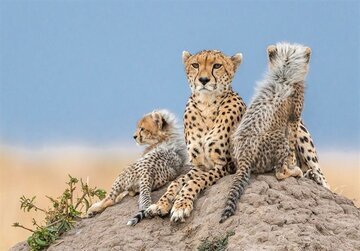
pixel 95 209
pixel 182 209
pixel 286 172
pixel 162 208
pixel 317 177
pixel 296 172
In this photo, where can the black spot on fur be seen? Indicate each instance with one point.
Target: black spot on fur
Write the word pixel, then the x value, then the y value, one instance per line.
pixel 303 128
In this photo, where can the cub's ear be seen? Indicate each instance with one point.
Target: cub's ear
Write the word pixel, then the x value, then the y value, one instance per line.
pixel 237 59
pixel 159 120
pixel 185 56
pixel 307 54
pixel 272 51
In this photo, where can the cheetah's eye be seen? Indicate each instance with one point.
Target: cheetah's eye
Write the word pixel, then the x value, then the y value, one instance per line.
pixel 217 66
pixel 195 65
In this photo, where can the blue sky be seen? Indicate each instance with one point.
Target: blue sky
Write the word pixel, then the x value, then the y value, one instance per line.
pixel 85 71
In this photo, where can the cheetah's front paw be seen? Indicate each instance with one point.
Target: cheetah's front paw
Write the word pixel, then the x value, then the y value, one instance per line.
pixel 285 172
pixel 95 209
pixel 181 210
pixel 98 207
pixel 162 208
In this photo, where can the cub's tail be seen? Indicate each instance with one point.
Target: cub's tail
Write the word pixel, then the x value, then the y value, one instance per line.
pixel 137 218
pixel 241 179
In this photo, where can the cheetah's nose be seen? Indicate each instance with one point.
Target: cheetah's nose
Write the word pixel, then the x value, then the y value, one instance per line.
pixel 204 81
pixel 135 136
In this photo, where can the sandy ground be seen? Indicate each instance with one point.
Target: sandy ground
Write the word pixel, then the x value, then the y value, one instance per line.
pixel 43 173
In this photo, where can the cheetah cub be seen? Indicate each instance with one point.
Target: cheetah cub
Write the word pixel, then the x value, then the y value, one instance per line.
pixel 161 162
pixel 266 136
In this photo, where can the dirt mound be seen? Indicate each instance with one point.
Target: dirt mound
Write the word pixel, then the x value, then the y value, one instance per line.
pixel 272 215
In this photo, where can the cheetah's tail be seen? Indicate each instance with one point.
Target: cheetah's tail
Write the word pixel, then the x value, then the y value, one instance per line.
pixel 137 218
pixel 240 181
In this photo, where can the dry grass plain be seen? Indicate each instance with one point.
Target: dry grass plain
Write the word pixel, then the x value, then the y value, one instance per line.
pixel 44 172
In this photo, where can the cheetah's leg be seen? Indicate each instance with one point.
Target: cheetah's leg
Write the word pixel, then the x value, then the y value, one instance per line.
pixel 284 172
pixel 183 204
pixel 124 194
pixel 289 167
pixel 117 190
pixel 100 206
pixel 286 167
pixel 121 196
pixel 308 157
pixel 163 206
pixel 296 107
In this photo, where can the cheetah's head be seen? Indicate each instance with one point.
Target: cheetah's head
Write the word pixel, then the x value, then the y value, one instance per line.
pixel 290 61
pixel 210 71
pixel 154 127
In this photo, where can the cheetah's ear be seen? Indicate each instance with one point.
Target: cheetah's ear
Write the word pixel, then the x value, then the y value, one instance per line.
pixel 185 56
pixel 237 59
pixel 159 120
pixel 307 54
pixel 272 51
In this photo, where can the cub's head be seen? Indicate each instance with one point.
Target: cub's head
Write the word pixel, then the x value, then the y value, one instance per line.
pixel 210 71
pixel 154 127
pixel 291 61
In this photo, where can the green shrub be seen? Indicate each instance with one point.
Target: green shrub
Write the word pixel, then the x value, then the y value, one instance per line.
pixel 62 214
pixel 215 244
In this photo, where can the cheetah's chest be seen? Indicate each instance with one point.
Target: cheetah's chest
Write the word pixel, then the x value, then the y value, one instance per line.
pixel 199 123
pixel 201 120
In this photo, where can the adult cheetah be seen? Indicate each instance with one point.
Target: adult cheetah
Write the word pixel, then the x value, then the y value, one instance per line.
pixel 211 114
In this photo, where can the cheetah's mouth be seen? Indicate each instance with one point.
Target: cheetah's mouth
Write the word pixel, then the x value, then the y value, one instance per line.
pixel 210 87
pixel 203 89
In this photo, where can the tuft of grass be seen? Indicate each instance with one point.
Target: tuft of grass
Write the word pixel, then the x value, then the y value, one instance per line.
pixel 216 244
pixel 65 210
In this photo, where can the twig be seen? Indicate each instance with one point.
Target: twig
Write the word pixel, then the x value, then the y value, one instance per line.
pixel 21 226
pixel 55 222
pixel 58 243
pixel 79 201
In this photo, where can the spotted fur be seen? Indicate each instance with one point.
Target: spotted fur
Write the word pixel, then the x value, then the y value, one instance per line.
pixel 163 159
pixel 266 138
pixel 212 113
